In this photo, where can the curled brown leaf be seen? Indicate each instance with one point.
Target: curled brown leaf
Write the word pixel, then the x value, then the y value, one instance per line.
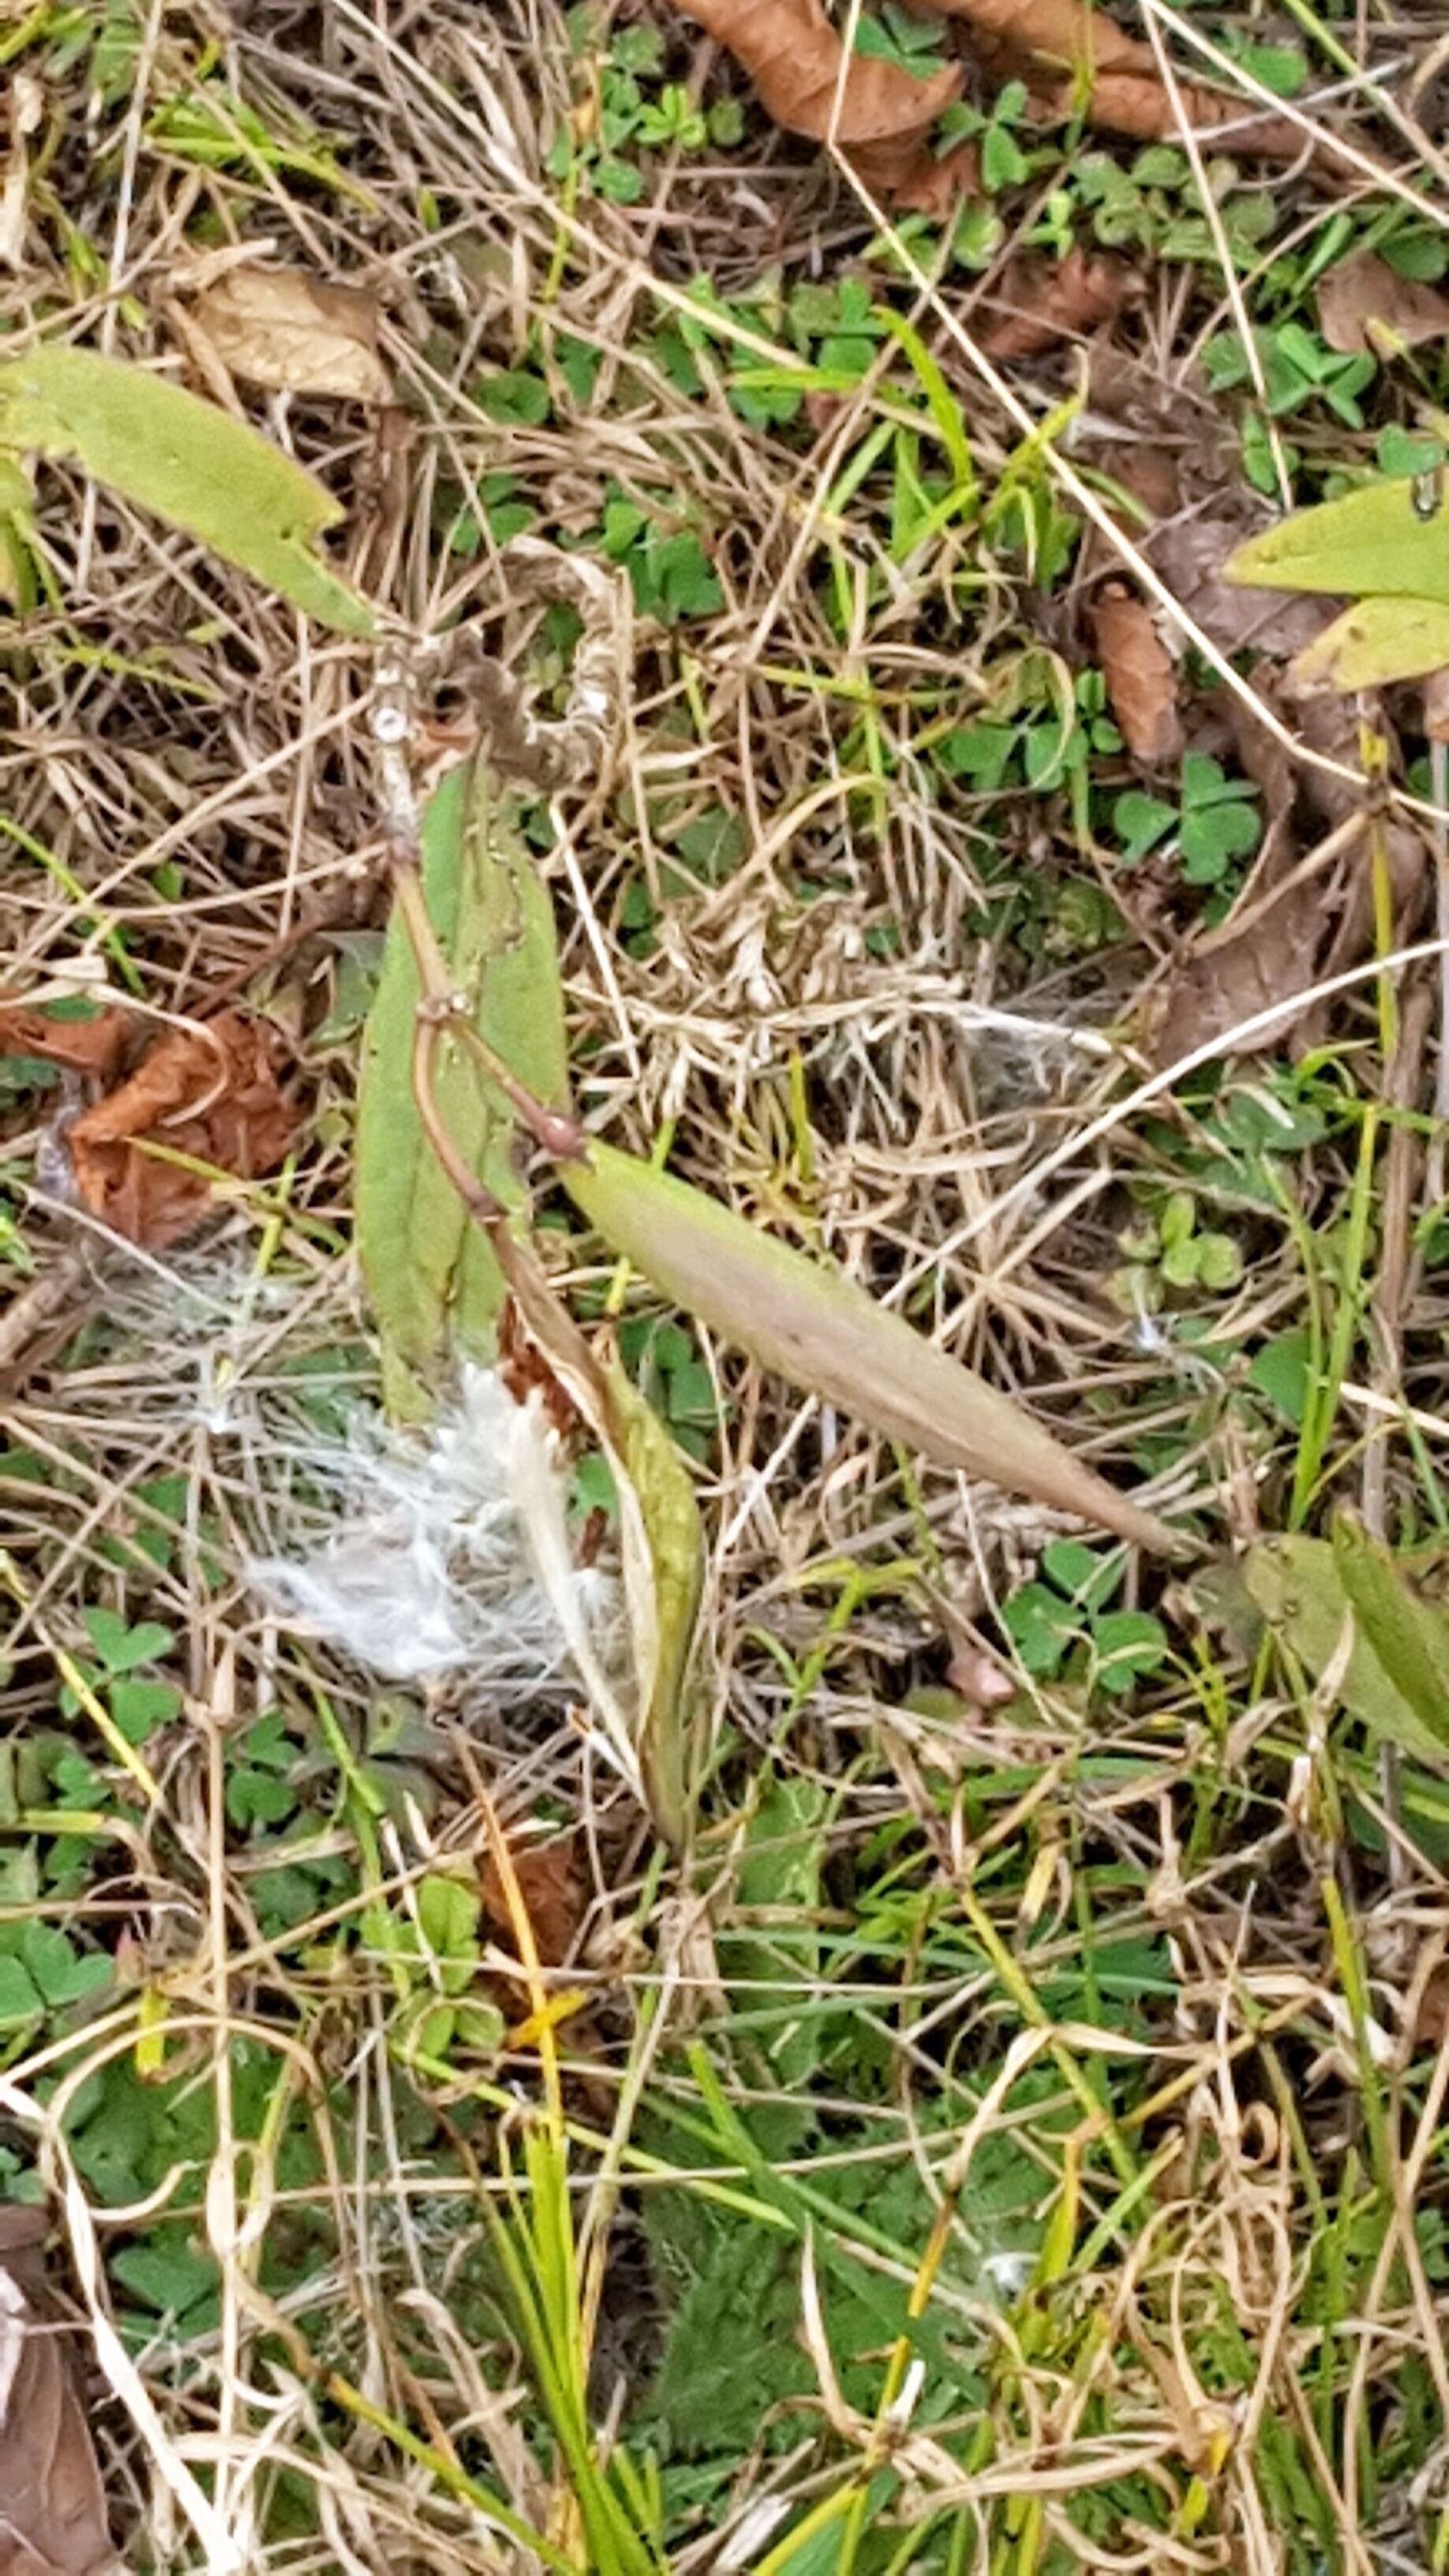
pixel 210 1093
pixel 1138 670
pixel 1055 300
pixel 879 113
pixel 52 2507
pixel 94 1046
pixel 1127 94
pixel 1365 304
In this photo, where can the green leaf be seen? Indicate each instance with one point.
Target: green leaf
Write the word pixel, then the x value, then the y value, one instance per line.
pixel 448 1916
pixel 431 1274
pixel 138 1707
pixel 1298 1584
pixel 1212 836
pixel 664 1576
pixel 1280 1373
pixel 1042 1628
pixel 167 2273
pixel 1374 543
pixel 1181 1263
pixel 1179 1215
pixel 189 463
pixel 63 1973
pixel 1003 163
pixel 979 753
pixel 819 1330
pixel 1376 642
pixel 1125 1645
pixel 1078 1571
pixel 516 397
pixel 1410 1640
pixel 121 1647
pixel 1219 1262
pixel 19 2001
pixel 1140 822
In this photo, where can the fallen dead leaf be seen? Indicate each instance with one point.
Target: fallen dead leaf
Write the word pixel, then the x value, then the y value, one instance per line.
pixel 882 116
pixel 1056 300
pixel 1138 669
pixel 210 1093
pixel 794 56
pixel 280 328
pixel 1124 91
pixel 1217 989
pixel 52 2507
pixel 554 1896
pixel 1280 945
pixel 1365 304
pixel 86 1046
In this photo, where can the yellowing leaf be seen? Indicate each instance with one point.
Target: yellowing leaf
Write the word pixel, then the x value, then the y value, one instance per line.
pixel 1376 641
pixel 432 1275
pixel 1390 540
pixel 189 463
pixel 821 1332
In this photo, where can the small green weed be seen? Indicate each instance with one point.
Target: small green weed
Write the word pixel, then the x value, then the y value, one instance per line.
pixel 1063 1627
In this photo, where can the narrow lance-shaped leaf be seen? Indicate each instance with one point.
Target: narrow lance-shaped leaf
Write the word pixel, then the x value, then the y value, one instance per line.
pixel 823 1333
pixel 187 461
pixel 663 1575
pixel 1389 540
pixel 432 1276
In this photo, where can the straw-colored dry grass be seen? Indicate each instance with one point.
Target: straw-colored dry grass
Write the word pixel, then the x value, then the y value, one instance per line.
pixel 1152 1981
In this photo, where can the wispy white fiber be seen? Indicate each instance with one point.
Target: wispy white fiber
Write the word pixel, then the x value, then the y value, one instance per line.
pixel 451 1554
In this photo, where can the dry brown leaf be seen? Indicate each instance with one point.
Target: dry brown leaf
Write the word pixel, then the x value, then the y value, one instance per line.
pixel 1055 300
pixel 210 1093
pixel 1127 93
pixel 1218 988
pixel 280 328
pixel 1190 553
pixel 554 1897
pixel 1365 304
pixel 1138 670
pixel 794 57
pixel 86 1046
pixel 52 2507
